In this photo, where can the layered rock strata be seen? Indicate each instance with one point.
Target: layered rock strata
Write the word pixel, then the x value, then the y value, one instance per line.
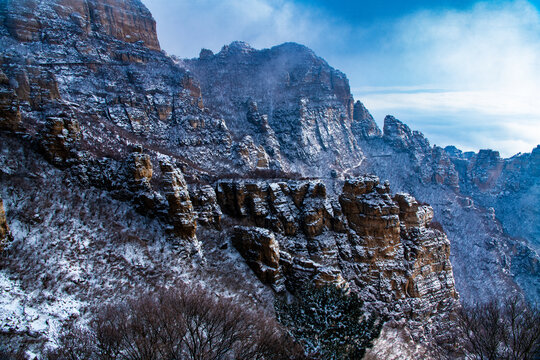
pixel 242 110
pixel 203 199
pixel 476 198
pixel 180 207
pixel 5 234
pixel 261 251
pixel 285 101
pixel 10 115
pixel 378 244
pixel 128 21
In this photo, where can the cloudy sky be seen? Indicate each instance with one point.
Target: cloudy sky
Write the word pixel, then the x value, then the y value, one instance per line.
pixel 463 72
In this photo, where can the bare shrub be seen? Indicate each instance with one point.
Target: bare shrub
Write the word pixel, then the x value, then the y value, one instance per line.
pixel 178 324
pixel 502 330
pixel 10 355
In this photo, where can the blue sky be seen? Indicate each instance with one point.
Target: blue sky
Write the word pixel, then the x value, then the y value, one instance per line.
pixel 463 72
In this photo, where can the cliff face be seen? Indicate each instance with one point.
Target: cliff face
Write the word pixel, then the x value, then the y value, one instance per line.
pixel 286 100
pixel 4 228
pixel 485 204
pixel 264 90
pixel 58 20
pixel 377 244
pixel 147 160
pixel 509 186
pixel 89 64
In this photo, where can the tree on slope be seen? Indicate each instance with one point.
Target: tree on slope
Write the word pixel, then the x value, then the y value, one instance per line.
pixel 329 322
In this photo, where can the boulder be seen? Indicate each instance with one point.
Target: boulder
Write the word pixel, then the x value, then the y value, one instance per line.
pixel 411 213
pixel 204 201
pixel 59 138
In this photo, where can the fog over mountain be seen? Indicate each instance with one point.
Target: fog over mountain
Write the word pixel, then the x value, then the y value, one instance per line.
pixel 241 173
pixel 462 72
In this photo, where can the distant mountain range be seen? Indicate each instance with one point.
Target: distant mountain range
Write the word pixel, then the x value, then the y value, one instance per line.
pixel 251 171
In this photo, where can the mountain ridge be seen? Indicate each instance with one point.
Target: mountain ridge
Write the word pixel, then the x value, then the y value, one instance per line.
pixel 114 123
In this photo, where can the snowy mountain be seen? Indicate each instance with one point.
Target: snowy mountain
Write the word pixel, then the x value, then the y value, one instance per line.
pixel 125 170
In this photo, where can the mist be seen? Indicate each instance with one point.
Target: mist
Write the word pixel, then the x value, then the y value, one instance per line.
pixel 465 77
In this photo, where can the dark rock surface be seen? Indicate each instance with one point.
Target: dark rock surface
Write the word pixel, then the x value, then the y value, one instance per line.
pixel 271 140
pixel 5 234
pixel 284 99
pixel 485 204
pixel 377 245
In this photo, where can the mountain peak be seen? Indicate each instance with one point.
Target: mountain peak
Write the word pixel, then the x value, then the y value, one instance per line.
pixel 236 47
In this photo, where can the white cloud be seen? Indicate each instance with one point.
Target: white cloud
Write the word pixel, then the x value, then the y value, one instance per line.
pixel 186 26
pixel 490 46
pixel 468 77
pixel 471 120
pixel 483 70
pixel 499 103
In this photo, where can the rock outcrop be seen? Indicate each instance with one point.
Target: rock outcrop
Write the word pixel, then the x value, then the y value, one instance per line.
pixel 363 123
pixel 261 251
pixel 180 208
pixel 128 21
pixel 98 79
pixel 5 235
pixel 476 198
pixel 10 115
pixel 59 139
pixel 203 199
pixel 287 207
pixel 380 246
pixel 303 107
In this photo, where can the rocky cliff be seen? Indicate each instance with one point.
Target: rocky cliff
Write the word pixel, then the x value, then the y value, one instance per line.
pixel 484 203
pixel 55 21
pixel 379 245
pixel 5 234
pixel 285 101
pixel 124 169
pixel 477 198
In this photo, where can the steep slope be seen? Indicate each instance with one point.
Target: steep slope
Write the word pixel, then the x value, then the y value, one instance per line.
pixel 100 78
pixel 493 251
pixel 115 178
pixel 485 203
pixel 284 99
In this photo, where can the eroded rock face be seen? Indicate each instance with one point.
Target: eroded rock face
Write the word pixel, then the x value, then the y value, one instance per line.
pixel 59 139
pixel 96 62
pixel 284 207
pixel 10 115
pixel 379 245
pixel 4 228
pixel 482 188
pixel 89 84
pixel 203 198
pixel 142 168
pixel 180 208
pixel 287 100
pixel 411 213
pixel 363 123
pixel 260 249
pixel 30 20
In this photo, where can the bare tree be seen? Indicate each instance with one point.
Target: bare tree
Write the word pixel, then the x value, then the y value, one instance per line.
pixel 498 330
pixel 185 323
